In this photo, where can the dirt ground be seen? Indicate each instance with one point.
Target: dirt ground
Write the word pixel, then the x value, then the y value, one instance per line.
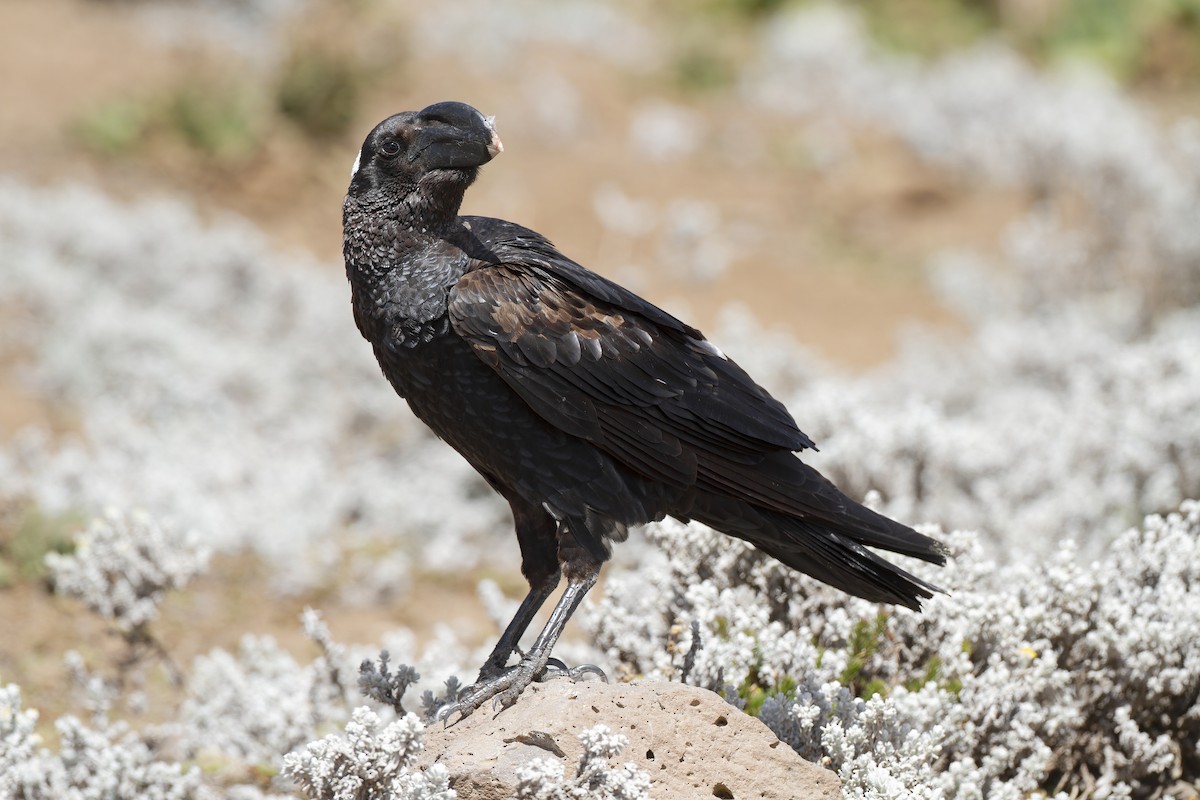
pixel 837 260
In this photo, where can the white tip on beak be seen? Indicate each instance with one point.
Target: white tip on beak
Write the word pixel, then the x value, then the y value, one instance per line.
pixel 496 146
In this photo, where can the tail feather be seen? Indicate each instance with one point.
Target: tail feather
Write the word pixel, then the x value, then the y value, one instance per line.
pixel 875 530
pixel 832 550
pixel 783 484
pixel 834 559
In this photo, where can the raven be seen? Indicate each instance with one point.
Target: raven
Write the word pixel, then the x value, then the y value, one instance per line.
pixel 586 407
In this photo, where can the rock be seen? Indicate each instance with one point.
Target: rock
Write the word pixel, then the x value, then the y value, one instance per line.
pixel 690 741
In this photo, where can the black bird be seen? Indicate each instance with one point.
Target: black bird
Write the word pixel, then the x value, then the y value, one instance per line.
pixel 586 407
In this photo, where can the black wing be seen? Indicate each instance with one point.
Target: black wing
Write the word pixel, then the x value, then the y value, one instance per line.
pixel 602 364
pixel 656 397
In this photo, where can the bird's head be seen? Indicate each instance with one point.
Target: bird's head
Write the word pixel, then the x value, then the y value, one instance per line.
pixel 436 151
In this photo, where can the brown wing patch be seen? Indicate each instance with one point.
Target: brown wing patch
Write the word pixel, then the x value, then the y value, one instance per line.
pixel 658 401
pixel 542 323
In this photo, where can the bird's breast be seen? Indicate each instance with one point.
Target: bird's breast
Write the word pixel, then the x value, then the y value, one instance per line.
pixel 460 398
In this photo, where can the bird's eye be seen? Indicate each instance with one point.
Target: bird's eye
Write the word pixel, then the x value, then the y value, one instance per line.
pixel 390 148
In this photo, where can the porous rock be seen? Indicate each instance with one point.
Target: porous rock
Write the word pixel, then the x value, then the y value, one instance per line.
pixel 690 741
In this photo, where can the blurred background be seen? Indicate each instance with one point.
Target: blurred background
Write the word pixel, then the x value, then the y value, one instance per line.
pixel 822 188
pixel 643 137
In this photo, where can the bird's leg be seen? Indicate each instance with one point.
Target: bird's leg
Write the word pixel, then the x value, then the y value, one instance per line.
pixel 506 687
pixel 538 534
pixel 538 593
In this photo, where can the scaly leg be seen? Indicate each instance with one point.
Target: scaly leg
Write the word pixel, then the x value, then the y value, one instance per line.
pixel 509 684
pixel 537 533
pixel 529 607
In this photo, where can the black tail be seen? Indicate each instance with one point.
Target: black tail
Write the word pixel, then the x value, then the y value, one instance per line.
pixel 837 557
pixel 828 543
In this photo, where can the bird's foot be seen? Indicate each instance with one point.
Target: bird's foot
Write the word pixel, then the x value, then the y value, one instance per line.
pixel 502 690
pixel 492 671
pixel 556 669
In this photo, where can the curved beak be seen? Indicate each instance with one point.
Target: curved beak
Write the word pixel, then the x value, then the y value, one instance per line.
pixel 456 137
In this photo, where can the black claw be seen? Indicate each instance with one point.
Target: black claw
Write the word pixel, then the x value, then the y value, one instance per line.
pixel 555 664
pixel 561 670
pixel 444 713
pixel 588 669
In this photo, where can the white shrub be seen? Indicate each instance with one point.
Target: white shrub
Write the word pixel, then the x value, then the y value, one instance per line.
pixel 544 778
pixel 255 705
pixel 123 565
pixel 989 114
pixel 1024 676
pixel 370 760
pixel 1036 429
pixel 217 384
pixel 110 763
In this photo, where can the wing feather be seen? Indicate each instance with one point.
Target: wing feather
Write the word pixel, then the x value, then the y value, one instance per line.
pixel 658 399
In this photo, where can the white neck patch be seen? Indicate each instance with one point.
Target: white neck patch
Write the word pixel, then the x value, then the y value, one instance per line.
pixel 357 163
